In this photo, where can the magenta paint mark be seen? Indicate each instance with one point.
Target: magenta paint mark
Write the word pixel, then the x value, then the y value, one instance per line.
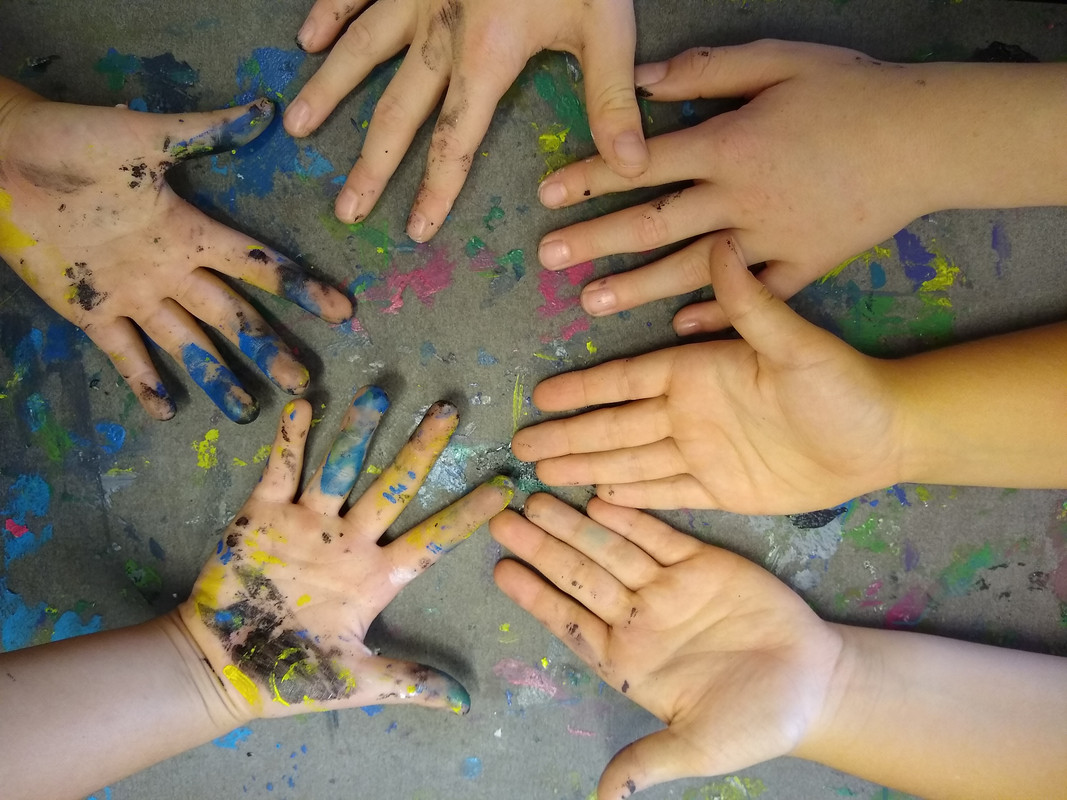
pixel 550 284
pixel 870 596
pixel 518 674
pixel 580 732
pixel 909 609
pixel 15 529
pixel 425 281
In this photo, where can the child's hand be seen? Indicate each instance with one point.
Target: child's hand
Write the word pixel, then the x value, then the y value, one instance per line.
pixel 789 419
pixel 280 613
pixel 475 49
pixel 799 175
pixel 734 662
pixel 88 221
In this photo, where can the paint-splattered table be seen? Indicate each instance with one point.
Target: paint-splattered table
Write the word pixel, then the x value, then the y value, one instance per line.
pixel 107 516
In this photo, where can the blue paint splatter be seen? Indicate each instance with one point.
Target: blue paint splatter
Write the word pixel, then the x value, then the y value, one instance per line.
pixel 19 623
pixel 1001 245
pixel 372 711
pixel 167 83
pixel 916 260
pixel 219 383
pixel 345 461
pixel 486 359
pixel 114 436
pixel 472 767
pixel 898 491
pixel 70 625
pixel 232 739
pixel 877 275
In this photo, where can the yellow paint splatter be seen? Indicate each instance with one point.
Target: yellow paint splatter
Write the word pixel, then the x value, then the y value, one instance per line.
pixel 518 397
pixel 206 593
pixel 303 600
pixel 373 470
pixel 867 257
pixel 944 277
pixel 243 684
pixel 505 627
pixel 262 454
pixel 239 463
pixel 923 494
pixel 207 455
pixel 261 557
pixel 592 348
pixel 544 663
pixel 12 238
pixel 553 140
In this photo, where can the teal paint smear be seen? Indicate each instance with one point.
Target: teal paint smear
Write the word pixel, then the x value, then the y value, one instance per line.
pixel 227 135
pixel 345 461
pixel 566 104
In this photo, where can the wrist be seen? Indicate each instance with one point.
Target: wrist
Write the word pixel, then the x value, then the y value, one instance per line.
pixel 15 99
pixel 199 677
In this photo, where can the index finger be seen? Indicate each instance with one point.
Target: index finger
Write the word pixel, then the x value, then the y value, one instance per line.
pixel 634 378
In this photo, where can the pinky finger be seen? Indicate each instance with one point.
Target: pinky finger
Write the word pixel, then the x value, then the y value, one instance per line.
pixel 126 349
pixel 281 476
pixel 571 622
pixel 676 491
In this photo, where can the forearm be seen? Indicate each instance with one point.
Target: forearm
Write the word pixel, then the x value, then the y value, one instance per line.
pixel 112 703
pixel 12 97
pixel 1008 149
pixel 986 413
pixel 945 719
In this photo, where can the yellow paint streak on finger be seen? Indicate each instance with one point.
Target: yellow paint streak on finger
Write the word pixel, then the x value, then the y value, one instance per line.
pixel 12 238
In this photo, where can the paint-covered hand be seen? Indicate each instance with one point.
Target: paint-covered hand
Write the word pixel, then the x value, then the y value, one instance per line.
pixel 281 611
pixel 475 49
pixel 89 222
pixel 735 663
pixel 801 175
pixel 789 419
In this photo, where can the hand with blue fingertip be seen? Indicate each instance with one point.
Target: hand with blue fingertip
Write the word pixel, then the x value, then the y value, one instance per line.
pixel 281 613
pixel 274 625
pixel 88 221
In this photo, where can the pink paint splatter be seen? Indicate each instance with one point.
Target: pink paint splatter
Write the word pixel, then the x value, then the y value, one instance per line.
pixel 15 529
pixel 870 596
pixel 550 283
pixel 518 674
pixel 580 732
pixel 424 281
pixel 908 610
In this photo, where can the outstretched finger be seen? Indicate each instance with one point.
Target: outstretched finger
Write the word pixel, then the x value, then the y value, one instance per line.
pixel 647 462
pixel 674 491
pixel 628 425
pixel 379 506
pixel 608 70
pixel 176 331
pixel 281 476
pixel 232 253
pixel 338 473
pixel 568 620
pixel 324 21
pixel 182 136
pixel 389 681
pixel 374 36
pixel 624 379
pixel 655 538
pixel 125 347
pixel 421 547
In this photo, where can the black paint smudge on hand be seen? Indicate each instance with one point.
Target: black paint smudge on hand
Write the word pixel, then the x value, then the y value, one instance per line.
pixel 85 294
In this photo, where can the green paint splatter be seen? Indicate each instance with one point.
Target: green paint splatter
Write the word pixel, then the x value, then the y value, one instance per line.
pixel 731 788
pixel 957 578
pixel 146 579
pixel 568 107
pixel 866 537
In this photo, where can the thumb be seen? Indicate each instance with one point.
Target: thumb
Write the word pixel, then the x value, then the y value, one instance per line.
pixel 738 71
pixel 657 758
pixel 183 136
pixel 611 100
pixel 389 681
pixel 770 326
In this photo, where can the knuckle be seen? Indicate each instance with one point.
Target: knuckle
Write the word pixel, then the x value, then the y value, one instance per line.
pixel 390 113
pixel 694 268
pixel 446 145
pixel 651 229
pixel 357 42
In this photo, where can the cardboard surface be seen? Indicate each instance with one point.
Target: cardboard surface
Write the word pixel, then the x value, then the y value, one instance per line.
pixel 132 507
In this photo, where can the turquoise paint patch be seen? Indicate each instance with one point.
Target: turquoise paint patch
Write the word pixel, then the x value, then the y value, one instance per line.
pixel 345 461
pixel 232 739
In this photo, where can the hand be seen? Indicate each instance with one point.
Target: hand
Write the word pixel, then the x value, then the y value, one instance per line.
pixel 735 663
pixel 798 175
pixel 789 419
pixel 281 612
pixel 475 48
pixel 88 221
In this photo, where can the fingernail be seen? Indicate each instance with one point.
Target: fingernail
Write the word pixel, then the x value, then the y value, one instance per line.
pixel 646 75
pixel 347 206
pixel 685 327
pixel 417 226
pixel 554 254
pixel 306 33
pixel 552 194
pixel 630 149
pixel 599 301
pixel 298 116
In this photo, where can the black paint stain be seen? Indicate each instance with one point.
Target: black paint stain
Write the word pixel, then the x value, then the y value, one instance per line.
pixel 661 203
pixel 326 538
pixel 54 180
pixel 641 91
pixel 998 52
pixel 625 687
pixel 85 294
pixel 258 255
pixel 816 519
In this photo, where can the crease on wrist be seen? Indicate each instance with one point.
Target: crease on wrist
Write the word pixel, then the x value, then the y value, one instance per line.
pixel 14 98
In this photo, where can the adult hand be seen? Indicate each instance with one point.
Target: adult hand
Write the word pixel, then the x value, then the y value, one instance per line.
pixel 799 175
pixel 471 51
pixel 281 611
pixel 788 419
pixel 737 665
pixel 88 221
